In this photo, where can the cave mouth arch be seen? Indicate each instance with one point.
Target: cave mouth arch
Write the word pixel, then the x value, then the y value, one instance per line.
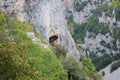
pixel 53 40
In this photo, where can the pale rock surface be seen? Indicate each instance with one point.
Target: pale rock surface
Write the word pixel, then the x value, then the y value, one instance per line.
pixel 115 75
pixel 46 16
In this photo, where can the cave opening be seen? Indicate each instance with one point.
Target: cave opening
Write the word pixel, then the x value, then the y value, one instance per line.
pixel 53 40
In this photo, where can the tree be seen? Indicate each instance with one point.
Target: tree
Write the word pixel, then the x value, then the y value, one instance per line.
pixel 74 68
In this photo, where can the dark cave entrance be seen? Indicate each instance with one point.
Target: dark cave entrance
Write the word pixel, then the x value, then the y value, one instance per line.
pixel 53 40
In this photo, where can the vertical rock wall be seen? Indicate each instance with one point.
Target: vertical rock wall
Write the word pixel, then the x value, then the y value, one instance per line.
pixel 46 16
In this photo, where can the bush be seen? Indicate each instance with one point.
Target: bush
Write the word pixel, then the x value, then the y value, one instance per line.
pixel 20 25
pixel 79 6
pixel 14 64
pixel 74 69
pixel 89 67
pixel 116 33
pixel 101 62
pixel 80 32
pixel 118 13
pixel 39 36
pixel 60 52
pixel 3 18
pixel 71 27
pixel 117 56
pixel 80 70
pixel 115 66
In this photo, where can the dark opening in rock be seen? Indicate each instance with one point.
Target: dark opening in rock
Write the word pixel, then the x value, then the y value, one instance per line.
pixel 53 40
pixel 114 24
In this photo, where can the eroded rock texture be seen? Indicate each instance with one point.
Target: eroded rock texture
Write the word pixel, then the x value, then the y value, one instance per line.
pixel 46 16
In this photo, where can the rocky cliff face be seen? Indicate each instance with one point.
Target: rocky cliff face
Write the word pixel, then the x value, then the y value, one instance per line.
pixel 98 43
pixel 47 18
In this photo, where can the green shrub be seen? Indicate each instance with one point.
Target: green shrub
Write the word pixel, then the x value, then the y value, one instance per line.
pixel 90 70
pixel 80 70
pixel 79 6
pixel 18 35
pixel 118 13
pixel 8 23
pixel 89 67
pixel 60 52
pixel 80 32
pixel 74 69
pixel 40 37
pixel 71 27
pixel 3 18
pixel 116 56
pixel 47 64
pixel 115 66
pixel 21 25
pixel 14 62
pixel 116 33
pixel 101 62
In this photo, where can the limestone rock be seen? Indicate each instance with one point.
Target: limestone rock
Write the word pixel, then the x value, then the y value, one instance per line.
pixel 46 16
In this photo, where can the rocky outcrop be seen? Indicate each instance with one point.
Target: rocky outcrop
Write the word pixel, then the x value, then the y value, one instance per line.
pixel 97 43
pixel 110 75
pixel 47 18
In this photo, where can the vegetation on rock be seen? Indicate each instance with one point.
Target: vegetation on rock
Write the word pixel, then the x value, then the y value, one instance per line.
pixel 21 59
pixel 77 70
pixel 115 66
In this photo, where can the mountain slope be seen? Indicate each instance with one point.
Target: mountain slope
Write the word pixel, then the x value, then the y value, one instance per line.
pixel 47 18
pixel 23 59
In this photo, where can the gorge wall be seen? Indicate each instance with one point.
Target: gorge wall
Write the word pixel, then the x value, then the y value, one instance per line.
pixel 47 18
pixel 97 20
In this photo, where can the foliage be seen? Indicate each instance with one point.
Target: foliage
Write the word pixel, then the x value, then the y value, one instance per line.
pixel 101 61
pixel 89 67
pixel 92 25
pixel 117 13
pixel 116 33
pixel 79 6
pixel 22 25
pixel 18 35
pixel 21 59
pixel 8 23
pixel 71 27
pixel 80 70
pixel 116 3
pixel 60 52
pixel 47 64
pixel 3 18
pixel 14 65
pixel 75 70
pixel 115 66
pixel 111 45
pixel 78 31
pixel 40 37
pixel 116 56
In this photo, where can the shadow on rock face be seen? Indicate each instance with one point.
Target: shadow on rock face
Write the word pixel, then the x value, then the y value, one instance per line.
pixel 53 40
